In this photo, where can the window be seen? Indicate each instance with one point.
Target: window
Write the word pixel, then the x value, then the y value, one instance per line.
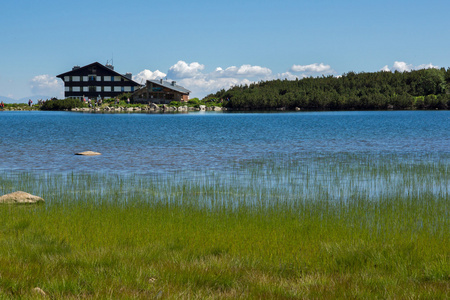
pixel 67 89
pixel 107 78
pixel 117 78
pixel 76 89
pixel 99 78
pixel 66 78
pixel 75 78
pixel 98 88
pixel 107 89
pixel 117 89
pixel 85 89
pixel 85 78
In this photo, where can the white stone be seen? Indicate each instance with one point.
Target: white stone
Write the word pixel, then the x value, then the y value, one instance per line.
pixel 19 198
pixel 88 153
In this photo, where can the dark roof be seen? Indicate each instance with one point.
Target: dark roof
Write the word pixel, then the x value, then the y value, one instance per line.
pixel 169 85
pixel 97 64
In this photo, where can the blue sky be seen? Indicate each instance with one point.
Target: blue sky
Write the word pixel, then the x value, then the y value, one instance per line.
pixel 209 45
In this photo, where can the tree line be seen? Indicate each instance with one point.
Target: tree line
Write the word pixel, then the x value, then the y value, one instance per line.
pixel 418 89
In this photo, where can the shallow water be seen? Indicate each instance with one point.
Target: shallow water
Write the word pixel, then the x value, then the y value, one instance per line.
pixel 248 157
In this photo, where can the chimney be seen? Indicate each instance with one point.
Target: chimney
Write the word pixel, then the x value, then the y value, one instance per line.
pixel 75 68
pixel 129 75
pixel 173 83
pixel 109 66
pixel 161 81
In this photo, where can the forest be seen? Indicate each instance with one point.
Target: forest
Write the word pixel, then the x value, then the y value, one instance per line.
pixel 418 89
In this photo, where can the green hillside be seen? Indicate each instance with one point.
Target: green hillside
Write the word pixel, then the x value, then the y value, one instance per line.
pixel 420 89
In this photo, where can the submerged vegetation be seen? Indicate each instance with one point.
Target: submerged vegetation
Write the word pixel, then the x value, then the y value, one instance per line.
pixel 420 89
pixel 337 226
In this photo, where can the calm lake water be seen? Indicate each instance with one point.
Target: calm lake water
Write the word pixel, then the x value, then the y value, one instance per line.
pixel 161 143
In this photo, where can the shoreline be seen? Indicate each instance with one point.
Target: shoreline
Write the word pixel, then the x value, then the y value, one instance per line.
pixel 150 108
pixel 186 109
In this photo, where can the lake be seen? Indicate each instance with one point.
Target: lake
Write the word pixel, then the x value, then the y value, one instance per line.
pixel 156 143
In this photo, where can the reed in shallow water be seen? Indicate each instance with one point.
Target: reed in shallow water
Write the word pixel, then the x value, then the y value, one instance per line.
pixel 334 227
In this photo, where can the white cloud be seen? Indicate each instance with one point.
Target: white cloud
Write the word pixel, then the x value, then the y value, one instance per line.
pixel 192 77
pixel 385 68
pixel 46 85
pixel 242 71
pixel 426 66
pixel 200 83
pixel 312 68
pixel 145 75
pixel 183 70
pixel 402 66
pixel 204 85
pixel 289 76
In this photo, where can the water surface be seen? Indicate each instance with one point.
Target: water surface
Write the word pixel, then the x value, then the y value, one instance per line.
pixel 158 143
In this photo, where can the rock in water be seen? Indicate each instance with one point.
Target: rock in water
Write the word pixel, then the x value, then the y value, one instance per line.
pixel 20 197
pixel 153 106
pixel 88 153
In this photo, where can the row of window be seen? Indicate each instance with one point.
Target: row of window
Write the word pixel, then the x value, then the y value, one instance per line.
pixel 93 78
pixel 124 89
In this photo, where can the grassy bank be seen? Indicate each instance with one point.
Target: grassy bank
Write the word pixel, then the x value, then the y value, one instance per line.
pixel 268 229
pixel 19 106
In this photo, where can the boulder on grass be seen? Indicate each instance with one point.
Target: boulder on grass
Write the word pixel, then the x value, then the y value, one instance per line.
pixel 20 198
pixel 39 291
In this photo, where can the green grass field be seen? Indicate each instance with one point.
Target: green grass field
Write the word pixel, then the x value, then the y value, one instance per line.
pixel 335 227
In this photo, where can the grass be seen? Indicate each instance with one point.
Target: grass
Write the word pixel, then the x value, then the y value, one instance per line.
pixel 338 226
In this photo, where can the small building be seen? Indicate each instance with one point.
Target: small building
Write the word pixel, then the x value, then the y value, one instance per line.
pixel 161 92
pixel 96 81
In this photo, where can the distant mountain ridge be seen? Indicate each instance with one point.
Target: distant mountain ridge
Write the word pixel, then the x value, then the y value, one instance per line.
pixel 24 100
pixel 8 100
